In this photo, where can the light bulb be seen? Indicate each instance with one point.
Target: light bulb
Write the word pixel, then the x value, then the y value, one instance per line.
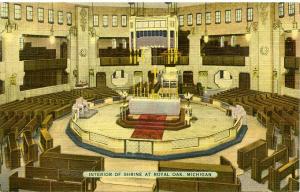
pixel 206 38
pixel 52 39
pixel 248 36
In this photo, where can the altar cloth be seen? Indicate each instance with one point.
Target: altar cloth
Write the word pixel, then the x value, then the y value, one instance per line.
pixel 139 106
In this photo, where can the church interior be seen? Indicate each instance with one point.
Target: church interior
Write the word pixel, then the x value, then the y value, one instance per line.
pixel 142 86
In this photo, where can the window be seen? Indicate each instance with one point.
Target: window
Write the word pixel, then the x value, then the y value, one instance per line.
pixel 40 15
pixel 238 15
pixel 105 20
pixel 207 18
pixel 50 16
pixel 181 20
pixel 189 19
pixel 124 20
pixel 281 9
pixel 29 12
pixel 198 18
pixel 69 18
pixel 60 16
pixel 114 20
pixel 227 16
pixel 18 12
pixel 291 7
pixel 4 10
pixel 218 17
pixel 250 14
pixel 96 20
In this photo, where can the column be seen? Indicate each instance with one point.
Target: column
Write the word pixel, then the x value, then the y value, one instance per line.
pixel 194 55
pixel 82 44
pixel 14 70
pixel 265 44
pixel 278 57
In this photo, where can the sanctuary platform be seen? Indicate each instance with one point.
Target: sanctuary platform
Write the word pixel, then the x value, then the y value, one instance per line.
pixel 211 130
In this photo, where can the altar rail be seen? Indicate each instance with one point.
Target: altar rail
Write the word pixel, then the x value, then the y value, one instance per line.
pixel 155 147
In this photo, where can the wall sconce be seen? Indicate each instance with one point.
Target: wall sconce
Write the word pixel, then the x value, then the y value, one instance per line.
pixel 75 73
pixel 13 79
pixel 92 31
pixel 9 27
pixel 73 31
pixel 255 73
pixel 274 74
pixel 91 72
pixel 295 30
pixel 248 34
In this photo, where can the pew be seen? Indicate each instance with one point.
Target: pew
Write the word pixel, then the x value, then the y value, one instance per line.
pixel 12 152
pixel 36 184
pixel 280 173
pixel 47 122
pixel 258 166
pixel 53 158
pixel 46 140
pixel 225 181
pixel 30 148
pixel 257 149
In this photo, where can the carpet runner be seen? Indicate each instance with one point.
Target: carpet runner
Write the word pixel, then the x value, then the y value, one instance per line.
pixel 144 129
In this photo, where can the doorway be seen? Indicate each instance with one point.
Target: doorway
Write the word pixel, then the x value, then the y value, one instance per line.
pixel 101 79
pixel 244 81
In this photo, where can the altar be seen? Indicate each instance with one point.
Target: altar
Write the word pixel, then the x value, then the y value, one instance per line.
pixel 162 106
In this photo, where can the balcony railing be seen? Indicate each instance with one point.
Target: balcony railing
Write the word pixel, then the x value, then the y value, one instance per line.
pixel 117 61
pixel 224 60
pixel 291 62
pixel 163 60
pixel 45 64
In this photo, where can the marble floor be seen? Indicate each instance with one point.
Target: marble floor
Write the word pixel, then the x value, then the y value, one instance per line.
pixel 255 132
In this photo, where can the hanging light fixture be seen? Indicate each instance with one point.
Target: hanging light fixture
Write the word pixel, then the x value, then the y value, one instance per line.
pixel 52 37
pixel 205 32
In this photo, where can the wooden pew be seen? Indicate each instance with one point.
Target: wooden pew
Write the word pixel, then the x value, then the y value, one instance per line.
pixel 53 158
pixel 12 152
pixel 225 181
pixel 35 184
pixel 30 148
pixel 258 166
pixel 276 175
pixel 48 121
pixel 46 140
pixel 257 149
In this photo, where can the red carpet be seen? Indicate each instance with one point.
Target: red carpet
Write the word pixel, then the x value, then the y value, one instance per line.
pixel 144 132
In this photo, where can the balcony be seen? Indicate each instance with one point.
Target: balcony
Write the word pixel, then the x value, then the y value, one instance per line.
pixel 163 60
pixel 291 62
pixel 117 61
pixel 45 64
pixel 228 60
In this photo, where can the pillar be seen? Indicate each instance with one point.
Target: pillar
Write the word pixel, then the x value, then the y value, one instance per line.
pixel 265 44
pixel 82 44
